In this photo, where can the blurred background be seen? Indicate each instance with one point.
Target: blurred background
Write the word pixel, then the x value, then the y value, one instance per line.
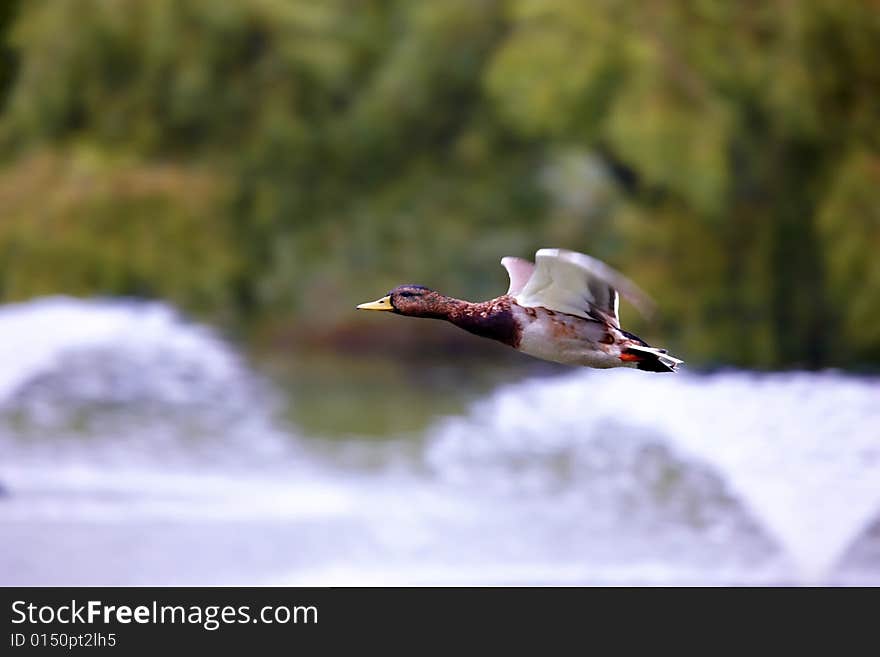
pixel 194 196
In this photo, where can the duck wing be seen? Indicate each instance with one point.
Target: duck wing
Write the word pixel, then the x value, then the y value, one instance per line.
pixel 519 270
pixel 576 284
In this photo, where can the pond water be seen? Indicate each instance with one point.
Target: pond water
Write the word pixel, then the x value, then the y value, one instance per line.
pixel 139 448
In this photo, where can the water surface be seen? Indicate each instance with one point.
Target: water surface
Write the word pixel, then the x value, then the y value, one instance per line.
pixel 139 448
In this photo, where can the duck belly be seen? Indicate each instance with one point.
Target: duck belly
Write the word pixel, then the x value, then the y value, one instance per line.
pixel 566 339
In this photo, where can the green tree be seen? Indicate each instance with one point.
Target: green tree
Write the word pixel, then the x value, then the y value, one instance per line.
pixel 723 154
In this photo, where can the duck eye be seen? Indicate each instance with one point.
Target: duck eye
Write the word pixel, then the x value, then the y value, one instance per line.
pixel 407 294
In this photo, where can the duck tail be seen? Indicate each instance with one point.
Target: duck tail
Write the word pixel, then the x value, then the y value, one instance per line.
pixel 650 359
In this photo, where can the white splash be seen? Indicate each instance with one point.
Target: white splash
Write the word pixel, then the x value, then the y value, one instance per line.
pixel 801 450
pixel 613 477
pixel 134 374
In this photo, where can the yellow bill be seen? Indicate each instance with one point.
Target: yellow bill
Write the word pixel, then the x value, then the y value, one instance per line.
pixel 380 304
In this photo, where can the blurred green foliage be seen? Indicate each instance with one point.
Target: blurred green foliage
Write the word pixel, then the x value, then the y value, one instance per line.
pixel 82 224
pixel 281 160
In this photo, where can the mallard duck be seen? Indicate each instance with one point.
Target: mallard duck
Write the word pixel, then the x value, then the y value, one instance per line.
pixel 561 308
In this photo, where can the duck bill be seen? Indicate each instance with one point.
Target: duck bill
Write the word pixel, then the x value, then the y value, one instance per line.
pixel 380 304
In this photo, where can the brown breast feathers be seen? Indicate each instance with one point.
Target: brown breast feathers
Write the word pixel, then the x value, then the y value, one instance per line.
pixel 489 319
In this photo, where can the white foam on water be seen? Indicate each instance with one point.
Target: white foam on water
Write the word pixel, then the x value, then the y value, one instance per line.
pixel 180 476
pixel 537 573
pixel 137 375
pixel 131 494
pixel 801 450
pixel 35 336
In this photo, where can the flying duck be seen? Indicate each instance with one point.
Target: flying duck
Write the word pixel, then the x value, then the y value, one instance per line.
pixel 561 308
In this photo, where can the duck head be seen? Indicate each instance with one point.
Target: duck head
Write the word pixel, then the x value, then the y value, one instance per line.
pixel 412 300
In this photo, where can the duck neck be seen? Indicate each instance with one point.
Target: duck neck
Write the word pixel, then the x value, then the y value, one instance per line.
pixel 492 319
pixel 489 319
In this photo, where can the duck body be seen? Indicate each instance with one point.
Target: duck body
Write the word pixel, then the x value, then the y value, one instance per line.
pixel 561 309
pixel 567 339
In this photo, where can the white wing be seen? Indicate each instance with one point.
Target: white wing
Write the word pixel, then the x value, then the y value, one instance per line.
pixel 576 284
pixel 519 271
